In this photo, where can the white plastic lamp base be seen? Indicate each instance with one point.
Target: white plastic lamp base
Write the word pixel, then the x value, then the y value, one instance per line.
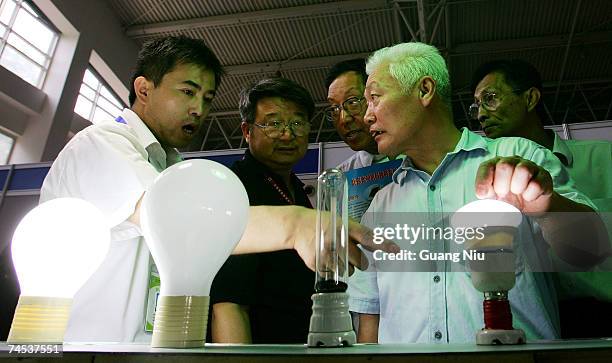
pixel 500 337
pixel 331 324
pixel 40 320
pixel 180 322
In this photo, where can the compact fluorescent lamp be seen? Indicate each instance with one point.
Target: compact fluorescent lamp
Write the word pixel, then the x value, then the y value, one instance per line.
pixel 192 218
pixel 495 275
pixel 56 247
pixel 330 323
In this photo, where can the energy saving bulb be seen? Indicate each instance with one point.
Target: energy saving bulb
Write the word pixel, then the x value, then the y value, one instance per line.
pixel 56 247
pixel 330 323
pixel 495 274
pixel 192 218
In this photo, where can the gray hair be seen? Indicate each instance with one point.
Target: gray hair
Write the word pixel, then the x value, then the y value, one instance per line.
pixel 409 62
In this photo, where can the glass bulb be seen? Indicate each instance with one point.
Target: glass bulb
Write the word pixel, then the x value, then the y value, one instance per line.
pixel 332 232
pixel 57 246
pixel 498 222
pixel 192 218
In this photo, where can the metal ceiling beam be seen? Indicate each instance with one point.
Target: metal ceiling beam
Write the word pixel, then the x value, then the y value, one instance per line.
pixel 566 55
pixel 457 50
pixel 271 67
pixel 223 132
pixel 397 26
pixel 422 21
pixel 437 24
pixel 136 31
pixel 552 41
pixel 406 21
pixel 207 132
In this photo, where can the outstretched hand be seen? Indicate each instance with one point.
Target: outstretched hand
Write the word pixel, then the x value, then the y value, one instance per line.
pixel 304 240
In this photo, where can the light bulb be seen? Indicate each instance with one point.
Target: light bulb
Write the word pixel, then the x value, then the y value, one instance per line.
pixel 493 273
pixel 332 250
pixel 56 247
pixel 498 222
pixel 330 323
pixel 192 217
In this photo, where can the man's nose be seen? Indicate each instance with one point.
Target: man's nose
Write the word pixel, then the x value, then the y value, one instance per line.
pixel 369 117
pixel 483 114
pixel 287 133
pixel 196 109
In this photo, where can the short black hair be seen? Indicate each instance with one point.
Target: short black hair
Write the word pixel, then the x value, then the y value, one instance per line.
pixel 518 74
pixel 160 56
pixel 273 87
pixel 352 65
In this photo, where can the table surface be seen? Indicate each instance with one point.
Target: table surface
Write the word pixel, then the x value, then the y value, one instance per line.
pixel 358 349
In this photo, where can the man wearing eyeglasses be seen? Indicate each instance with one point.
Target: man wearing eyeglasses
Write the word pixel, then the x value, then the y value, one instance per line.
pixel 345 84
pixel 265 298
pixel 409 110
pixel 508 95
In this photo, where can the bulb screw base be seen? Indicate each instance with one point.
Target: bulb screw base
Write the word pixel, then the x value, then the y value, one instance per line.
pixel 40 319
pixel 180 322
pixel 498 322
pixel 330 323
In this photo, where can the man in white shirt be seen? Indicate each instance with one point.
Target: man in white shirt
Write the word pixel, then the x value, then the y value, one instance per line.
pixel 585 297
pixel 112 164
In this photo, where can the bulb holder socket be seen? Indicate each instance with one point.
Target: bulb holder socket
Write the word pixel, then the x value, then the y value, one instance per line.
pixel 40 319
pixel 180 322
pixel 500 337
pixel 331 324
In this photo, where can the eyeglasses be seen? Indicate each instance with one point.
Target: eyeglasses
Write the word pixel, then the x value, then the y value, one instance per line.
pixel 489 101
pixel 275 129
pixel 352 106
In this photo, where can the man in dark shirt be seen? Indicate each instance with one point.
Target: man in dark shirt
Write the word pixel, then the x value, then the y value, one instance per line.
pixel 265 297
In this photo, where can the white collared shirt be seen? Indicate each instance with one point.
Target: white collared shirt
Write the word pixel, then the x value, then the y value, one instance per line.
pixel 111 164
pixel 361 159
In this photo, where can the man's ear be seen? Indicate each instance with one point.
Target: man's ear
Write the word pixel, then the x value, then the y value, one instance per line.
pixel 246 131
pixel 427 90
pixel 142 86
pixel 533 98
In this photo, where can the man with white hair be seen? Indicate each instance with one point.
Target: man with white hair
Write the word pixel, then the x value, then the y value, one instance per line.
pixel 409 111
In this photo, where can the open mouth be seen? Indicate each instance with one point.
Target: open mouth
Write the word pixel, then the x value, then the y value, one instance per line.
pixel 352 134
pixel 189 129
pixel 376 133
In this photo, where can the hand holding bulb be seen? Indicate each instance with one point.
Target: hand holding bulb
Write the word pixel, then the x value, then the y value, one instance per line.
pixel 516 181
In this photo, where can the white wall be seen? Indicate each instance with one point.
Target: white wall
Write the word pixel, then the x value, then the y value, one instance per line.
pixel 42 118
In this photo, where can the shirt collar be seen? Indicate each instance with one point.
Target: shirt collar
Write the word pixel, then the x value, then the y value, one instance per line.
pixel 561 151
pixel 158 156
pixel 469 141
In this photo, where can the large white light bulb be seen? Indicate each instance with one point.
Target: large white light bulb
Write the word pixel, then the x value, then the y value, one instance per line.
pixel 497 222
pixel 192 217
pixel 56 247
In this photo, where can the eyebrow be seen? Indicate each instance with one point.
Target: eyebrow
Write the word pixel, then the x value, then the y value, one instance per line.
pixel 372 84
pixel 192 84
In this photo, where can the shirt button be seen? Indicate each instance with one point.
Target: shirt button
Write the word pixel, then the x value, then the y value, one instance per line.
pixel 438 335
pixel 436 279
pixel 432 187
